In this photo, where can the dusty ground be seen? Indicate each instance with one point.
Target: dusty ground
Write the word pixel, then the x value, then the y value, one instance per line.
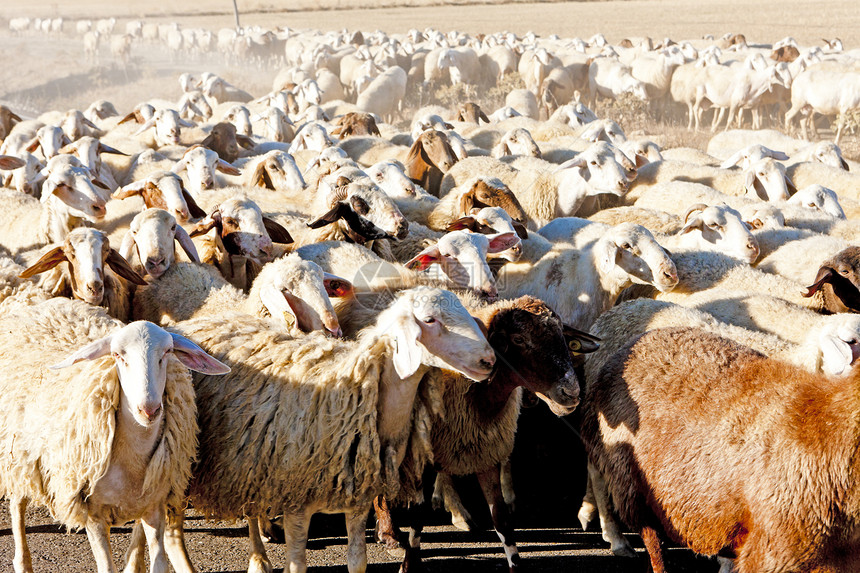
pixel 40 74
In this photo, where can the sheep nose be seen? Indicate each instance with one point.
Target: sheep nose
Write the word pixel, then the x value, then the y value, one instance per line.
pixel 182 214
pixel 150 412
pixel 99 210
pixel 208 183
pixel 96 288
pixel 569 395
pixel 487 363
pixel 402 229
pixel 490 293
pixel 671 276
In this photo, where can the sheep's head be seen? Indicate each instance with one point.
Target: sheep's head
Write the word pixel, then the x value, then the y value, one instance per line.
pixel 168 126
pixel 356 124
pixel 530 339
pixel 141 354
pixel 842 273
pixel 8 119
pixel 389 176
pixel 242 230
pixel 766 180
pixel 462 257
pixel 87 251
pixel 298 291
pixel 491 192
pixel 491 221
pixel 277 124
pixel 838 342
pixel 164 190
pixel 762 216
pixel 828 153
pixel 819 198
pixel 434 150
pixel 239 117
pixel 598 168
pixel 277 170
pixel 151 235
pixel 366 212
pixel 470 112
pixel 73 186
pixel 632 251
pixel 51 139
pixel 721 226
pixel 200 163
pixel 430 327
pixel 224 141
pixel 517 141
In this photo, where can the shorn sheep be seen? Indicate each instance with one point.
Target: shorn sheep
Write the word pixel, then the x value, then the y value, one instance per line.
pixel 341 412
pixel 759 470
pixel 102 442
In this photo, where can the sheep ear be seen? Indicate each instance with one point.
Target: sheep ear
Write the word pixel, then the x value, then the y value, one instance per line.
pixel 462 223
pixel 608 255
pixel 195 357
pixel 120 266
pixel 336 286
pixel 790 186
pixel 694 223
pixel 194 209
pixel 482 115
pixel 825 275
pixel 522 233
pixel 129 190
pixel 181 236
pixel 276 303
pixel 425 258
pixel 68 149
pixel 245 141
pixel 33 145
pixel 108 149
pixel 733 160
pixel 578 162
pixel 503 242
pixel 149 123
pixel 225 167
pixel 337 212
pixel 125 248
pixel 277 233
pixel 91 351
pixel 579 342
pixel 260 177
pixel 844 164
pixel 180 165
pixel 407 352
pixel 185 123
pixel 467 201
pixel 45 263
pixel 9 162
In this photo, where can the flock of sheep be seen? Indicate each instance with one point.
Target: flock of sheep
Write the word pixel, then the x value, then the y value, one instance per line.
pixel 354 300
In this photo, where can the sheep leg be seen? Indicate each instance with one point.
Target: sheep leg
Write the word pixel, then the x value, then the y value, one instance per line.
pixel 134 560
pixel 98 533
pixel 296 537
pixel 356 551
pixel 611 533
pixel 507 478
pixel 503 524
pixel 655 552
pixel 588 509
pixel 174 543
pixel 258 561
pixel 386 532
pixel 841 124
pixel 154 524
pixel 21 562
pixel 445 495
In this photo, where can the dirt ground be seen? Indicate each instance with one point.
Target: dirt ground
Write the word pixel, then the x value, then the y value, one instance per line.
pixel 42 73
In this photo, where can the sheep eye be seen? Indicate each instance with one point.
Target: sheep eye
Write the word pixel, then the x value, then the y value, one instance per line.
pixel 844 271
pixel 360 206
pixel 625 246
pixel 429 320
pixel 592 162
pixel 517 339
pixel 574 345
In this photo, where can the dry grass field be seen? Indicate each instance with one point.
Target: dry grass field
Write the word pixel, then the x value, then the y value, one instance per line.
pixel 41 73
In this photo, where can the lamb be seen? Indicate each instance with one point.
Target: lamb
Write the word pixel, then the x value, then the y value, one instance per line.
pixel 123 450
pixel 85 278
pixel 581 283
pixel 366 438
pixel 472 430
pixel 733 388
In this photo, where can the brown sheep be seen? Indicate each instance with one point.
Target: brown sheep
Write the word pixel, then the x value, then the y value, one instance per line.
pixel 8 119
pixel 224 141
pixel 470 112
pixel 355 123
pixel 785 54
pixel 484 194
pixel 728 452
pixel 475 432
pixel 428 159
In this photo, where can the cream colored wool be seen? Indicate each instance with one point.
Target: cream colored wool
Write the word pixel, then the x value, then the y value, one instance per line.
pixel 57 432
pixel 258 451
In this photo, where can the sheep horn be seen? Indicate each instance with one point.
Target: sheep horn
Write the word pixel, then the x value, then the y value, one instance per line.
pixel 694 208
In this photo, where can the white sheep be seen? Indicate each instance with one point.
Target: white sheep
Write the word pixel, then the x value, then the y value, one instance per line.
pixel 581 283
pixel 149 241
pixel 122 448
pixel 347 386
pixel 384 94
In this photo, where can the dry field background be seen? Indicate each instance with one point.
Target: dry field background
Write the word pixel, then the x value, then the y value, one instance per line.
pixel 40 73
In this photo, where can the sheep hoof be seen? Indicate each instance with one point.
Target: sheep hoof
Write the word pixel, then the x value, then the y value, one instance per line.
pixel 259 564
pixel 462 522
pixel 438 502
pixel 586 515
pixel 623 549
pixel 395 552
